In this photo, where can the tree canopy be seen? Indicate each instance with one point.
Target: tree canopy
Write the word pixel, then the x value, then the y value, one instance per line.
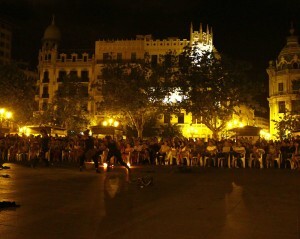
pixel 69 106
pixel 134 90
pixel 17 93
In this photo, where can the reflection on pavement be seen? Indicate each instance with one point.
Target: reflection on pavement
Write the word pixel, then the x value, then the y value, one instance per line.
pixel 112 185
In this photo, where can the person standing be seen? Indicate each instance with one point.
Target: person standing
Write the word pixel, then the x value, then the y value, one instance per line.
pixel 114 151
pixel 45 146
pixel 89 151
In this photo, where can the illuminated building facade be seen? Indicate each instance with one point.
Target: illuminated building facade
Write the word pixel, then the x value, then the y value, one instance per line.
pixel 53 65
pixel 284 81
pixel 5 42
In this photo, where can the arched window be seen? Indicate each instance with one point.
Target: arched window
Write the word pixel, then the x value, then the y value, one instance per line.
pixel 46 77
pixel 295 65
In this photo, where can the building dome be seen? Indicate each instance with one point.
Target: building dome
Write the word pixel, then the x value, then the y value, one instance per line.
pixel 290 54
pixel 52 32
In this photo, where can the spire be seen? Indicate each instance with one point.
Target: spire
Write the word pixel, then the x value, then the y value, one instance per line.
pixel 292 30
pixel 53 20
pixel 191 34
pixel 207 34
pixel 211 34
pixel 292 39
pixel 201 33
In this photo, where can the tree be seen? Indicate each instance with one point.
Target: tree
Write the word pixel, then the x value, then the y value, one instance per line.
pixel 69 106
pixel 134 90
pixel 209 85
pixel 287 123
pixel 17 93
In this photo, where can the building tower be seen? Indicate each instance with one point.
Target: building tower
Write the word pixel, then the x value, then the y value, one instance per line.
pixel 54 66
pixel 46 64
pixel 284 81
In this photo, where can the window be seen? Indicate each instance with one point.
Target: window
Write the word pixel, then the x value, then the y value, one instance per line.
pixel 85 58
pixel 73 58
pixel 63 59
pixel 84 76
pixel 196 120
pixel 106 57
pixel 181 118
pixel 296 86
pixel 73 73
pixel 61 76
pixel 296 106
pixel 281 107
pixel 45 93
pixel 280 87
pixel 119 57
pixel 46 77
pixel 44 105
pixel 167 118
pixel 133 56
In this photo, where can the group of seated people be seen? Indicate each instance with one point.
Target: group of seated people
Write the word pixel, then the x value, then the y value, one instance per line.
pixel 229 153
pixel 225 153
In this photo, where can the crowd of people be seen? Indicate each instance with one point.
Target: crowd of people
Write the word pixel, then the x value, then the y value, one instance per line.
pixel 241 153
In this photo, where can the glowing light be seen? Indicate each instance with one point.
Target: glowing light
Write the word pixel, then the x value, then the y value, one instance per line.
pixel 104 123
pixel 2 111
pixel 8 115
pixel 105 165
pixel 110 121
pixel 264 134
pixel 25 130
pixel 116 124
pixel 128 164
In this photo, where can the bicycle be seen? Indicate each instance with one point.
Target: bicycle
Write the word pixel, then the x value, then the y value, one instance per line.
pixel 142 181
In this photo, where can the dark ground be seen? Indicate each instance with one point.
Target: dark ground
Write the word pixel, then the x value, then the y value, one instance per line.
pixel 210 203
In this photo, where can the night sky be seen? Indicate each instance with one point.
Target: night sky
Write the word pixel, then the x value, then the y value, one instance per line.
pixel 253 31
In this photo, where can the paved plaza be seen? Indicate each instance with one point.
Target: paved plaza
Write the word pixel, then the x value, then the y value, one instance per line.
pixel 208 203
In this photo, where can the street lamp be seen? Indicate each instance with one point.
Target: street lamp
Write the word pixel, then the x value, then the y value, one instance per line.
pixel 112 123
pixel 4 116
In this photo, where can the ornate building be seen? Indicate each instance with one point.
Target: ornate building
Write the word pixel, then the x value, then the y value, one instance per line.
pixel 53 65
pixel 284 81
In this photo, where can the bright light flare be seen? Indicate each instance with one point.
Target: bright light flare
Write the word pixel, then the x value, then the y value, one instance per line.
pixel 116 123
pixel 8 115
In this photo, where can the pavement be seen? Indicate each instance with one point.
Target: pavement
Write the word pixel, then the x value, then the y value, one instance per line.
pixel 208 203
